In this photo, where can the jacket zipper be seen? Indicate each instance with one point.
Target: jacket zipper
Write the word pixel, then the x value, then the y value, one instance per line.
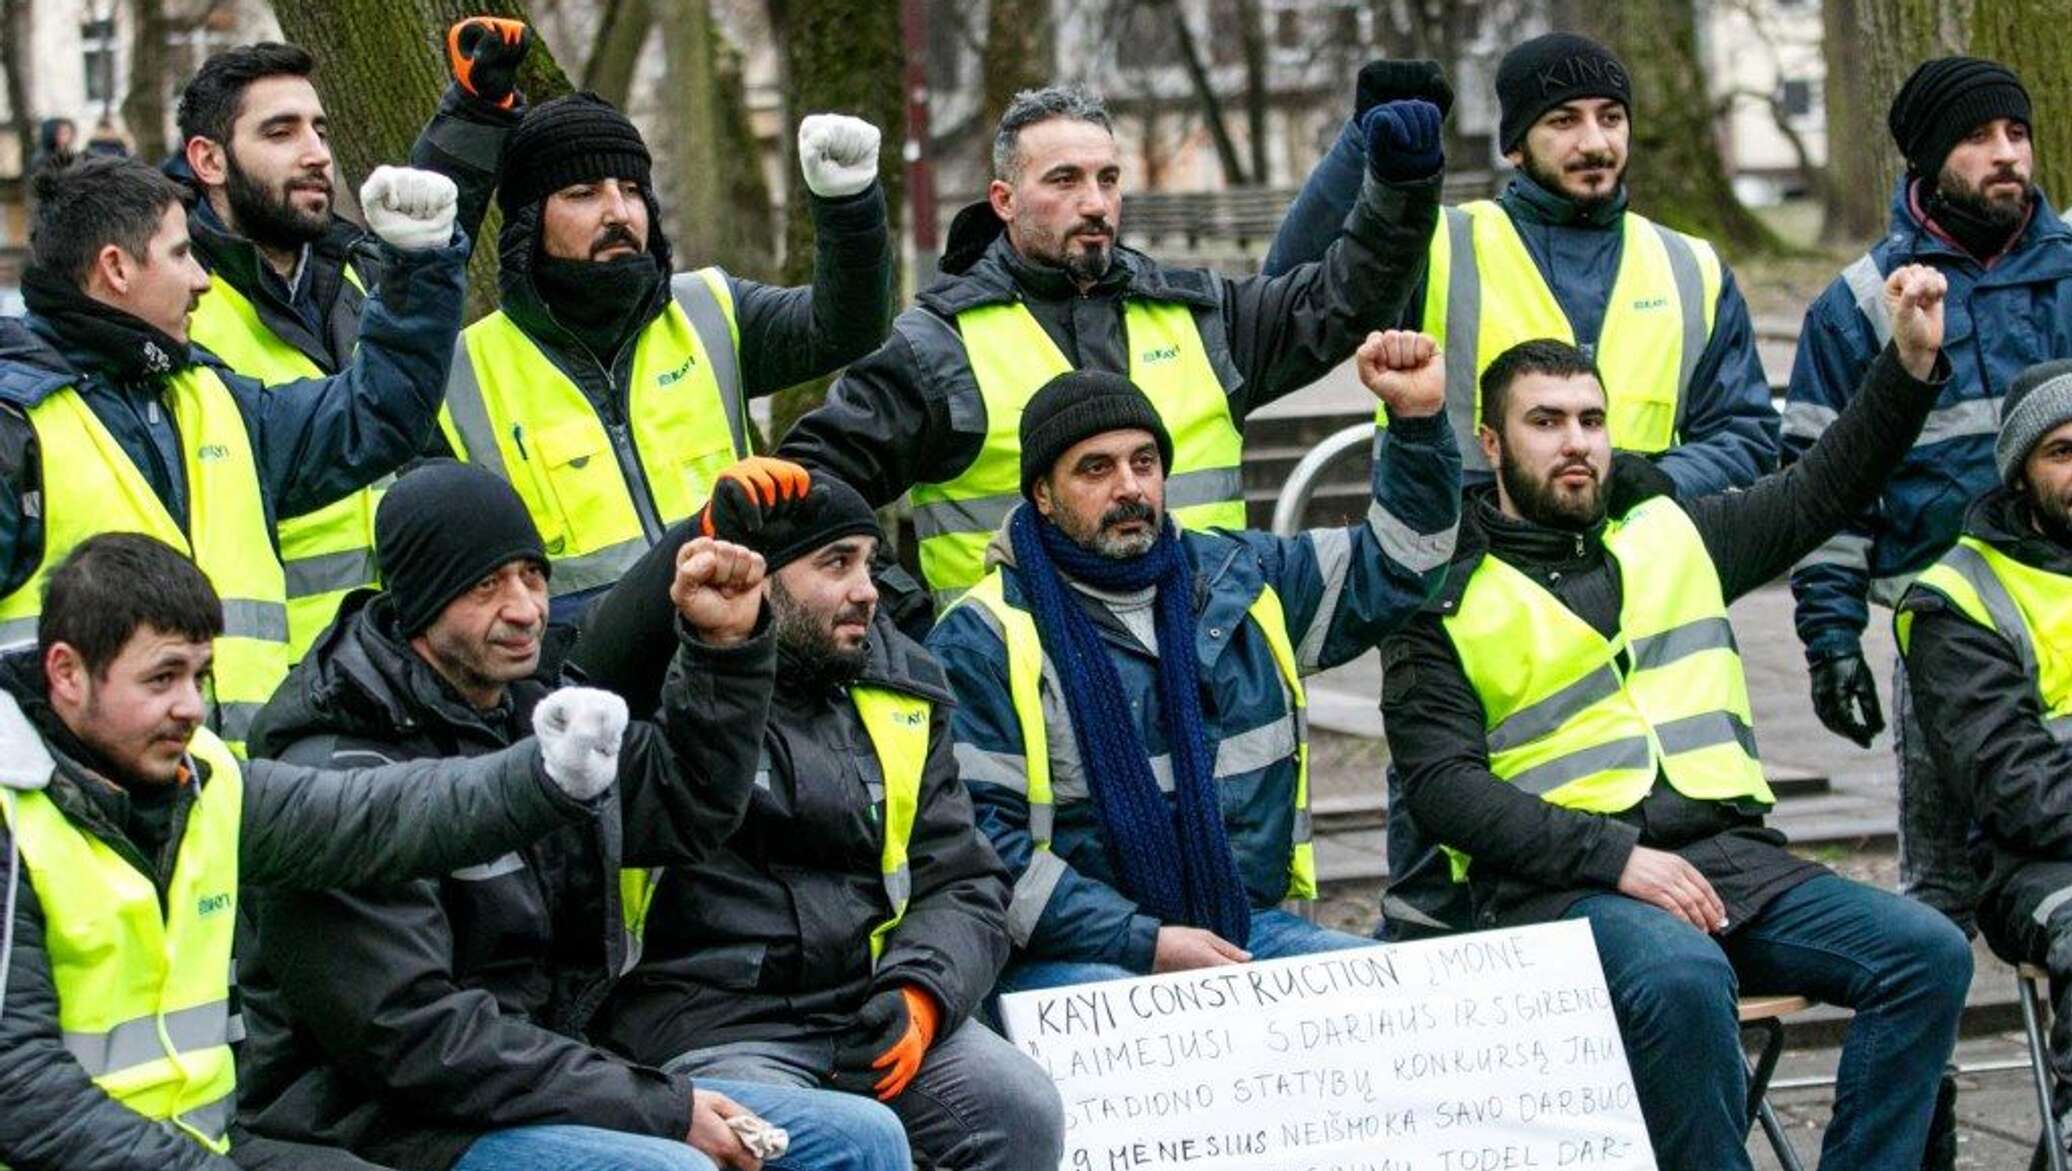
pixel 620 431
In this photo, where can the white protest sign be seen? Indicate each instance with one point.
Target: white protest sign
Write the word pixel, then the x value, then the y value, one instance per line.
pixel 1493 1051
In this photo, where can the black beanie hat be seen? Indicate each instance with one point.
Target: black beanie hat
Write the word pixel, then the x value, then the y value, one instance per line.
pixel 442 527
pixel 793 533
pixel 575 138
pixel 1947 98
pixel 1546 71
pixel 1080 404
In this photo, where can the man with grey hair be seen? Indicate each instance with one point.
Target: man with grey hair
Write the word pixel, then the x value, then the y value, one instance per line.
pixel 1036 283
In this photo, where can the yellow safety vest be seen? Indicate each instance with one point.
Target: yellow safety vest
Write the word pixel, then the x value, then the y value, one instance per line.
pixel 144 993
pixel 1024 687
pixel 1571 723
pixel 898 725
pixel 327 553
pixel 602 492
pixel 2029 607
pixel 1011 358
pixel 90 486
pixel 1484 294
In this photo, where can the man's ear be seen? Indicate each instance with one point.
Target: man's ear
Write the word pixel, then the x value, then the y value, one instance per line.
pixel 113 269
pixel 1039 495
pixel 209 161
pixel 1000 194
pixel 1492 444
pixel 66 674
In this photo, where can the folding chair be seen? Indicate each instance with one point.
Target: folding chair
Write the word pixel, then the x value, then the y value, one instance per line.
pixel 2050 1146
pixel 1765 1015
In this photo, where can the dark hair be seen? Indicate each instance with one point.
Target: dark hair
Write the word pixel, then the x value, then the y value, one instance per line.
pixel 83 205
pixel 1541 355
pixel 112 583
pixel 216 96
pixel 1041 105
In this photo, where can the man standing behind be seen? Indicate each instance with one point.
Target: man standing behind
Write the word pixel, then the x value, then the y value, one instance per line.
pixel 443 1023
pixel 1966 208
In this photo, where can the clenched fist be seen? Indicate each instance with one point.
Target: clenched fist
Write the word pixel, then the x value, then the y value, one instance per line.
pixel 1914 302
pixel 411 210
pixel 839 154
pixel 718 589
pixel 1404 370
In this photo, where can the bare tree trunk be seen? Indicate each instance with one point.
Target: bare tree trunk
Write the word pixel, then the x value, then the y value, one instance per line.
pixel 1205 91
pixel 622 31
pixel 1853 196
pixel 143 107
pixel 1676 174
pixel 14 34
pixel 1017 54
pixel 1258 97
pixel 2027 36
pixel 384 69
pixel 1892 37
pixel 843 56
pixel 692 117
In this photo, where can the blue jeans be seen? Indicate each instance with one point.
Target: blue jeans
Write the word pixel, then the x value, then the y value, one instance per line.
pixel 1275 935
pixel 1902 967
pixel 829 1132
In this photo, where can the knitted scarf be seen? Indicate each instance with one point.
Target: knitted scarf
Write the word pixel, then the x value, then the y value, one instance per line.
pixel 1175 861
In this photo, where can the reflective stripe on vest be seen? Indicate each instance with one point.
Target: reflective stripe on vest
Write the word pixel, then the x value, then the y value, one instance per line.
pixel 327 553
pixel 1568 721
pixel 2029 607
pixel 601 492
pixel 1025 689
pixel 144 992
pixel 100 491
pixel 1011 358
pixel 1484 294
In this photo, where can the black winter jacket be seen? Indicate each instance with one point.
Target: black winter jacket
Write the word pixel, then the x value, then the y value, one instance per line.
pixel 911 411
pixel 302 828
pixel 1980 712
pixel 1533 858
pixel 770 939
pixel 402 1022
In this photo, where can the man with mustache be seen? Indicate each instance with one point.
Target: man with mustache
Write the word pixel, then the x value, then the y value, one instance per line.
pixel 289 275
pixel 1572 722
pixel 111 419
pixel 611 389
pixel 1965 206
pixel 852 924
pixel 447 1023
pixel 1987 632
pixel 1130 708
pixel 1038 284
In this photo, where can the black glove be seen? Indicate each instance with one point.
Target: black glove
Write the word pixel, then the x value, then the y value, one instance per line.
pixel 878 1026
pixel 1403 142
pixel 1635 480
pixel 484 53
pixel 1845 697
pixel 1389 81
pixel 752 493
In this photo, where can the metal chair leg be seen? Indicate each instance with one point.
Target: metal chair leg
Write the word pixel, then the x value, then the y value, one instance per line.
pixel 1766 1057
pixel 2053 1140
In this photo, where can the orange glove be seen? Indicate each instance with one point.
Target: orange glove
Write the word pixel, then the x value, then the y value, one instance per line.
pixel 750 492
pixel 903 1060
pixel 881 1051
pixel 484 53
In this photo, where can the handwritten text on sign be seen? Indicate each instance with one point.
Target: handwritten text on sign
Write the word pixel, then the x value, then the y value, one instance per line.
pixel 1487 1052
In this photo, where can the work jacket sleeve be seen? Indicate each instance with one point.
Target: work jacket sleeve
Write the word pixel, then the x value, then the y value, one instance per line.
pixel 791 335
pixel 1342 589
pixel 886 425
pixel 1053 912
pixel 953 938
pixel 465 142
pixel 1832 585
pixel 55 1116
pixel 1438 738
pixel 685 777
pixel 1728 434
pixel 1984 725
pixel 21 482
pixel 310 827
pixel 1287 331
pixel 1319 210
pixel 320 439
pixel 1756 534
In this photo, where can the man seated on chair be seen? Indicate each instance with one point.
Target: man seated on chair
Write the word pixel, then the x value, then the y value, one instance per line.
pixel 1987 633
pixel 1130 707
pixel 1572 721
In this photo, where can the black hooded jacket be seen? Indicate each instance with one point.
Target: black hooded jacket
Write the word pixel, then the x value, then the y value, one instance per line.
pixel 403 1022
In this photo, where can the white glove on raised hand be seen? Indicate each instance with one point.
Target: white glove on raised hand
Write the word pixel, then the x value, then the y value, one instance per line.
pixel 838 153
pixel 411 209
pixel 580 729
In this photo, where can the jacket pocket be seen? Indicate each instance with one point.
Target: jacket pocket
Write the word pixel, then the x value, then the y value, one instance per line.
pixel 583 479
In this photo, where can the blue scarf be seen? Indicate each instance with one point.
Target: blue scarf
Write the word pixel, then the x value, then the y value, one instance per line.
pixel 1174 861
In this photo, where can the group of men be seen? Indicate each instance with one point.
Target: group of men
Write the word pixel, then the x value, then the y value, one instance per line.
pixel 742 891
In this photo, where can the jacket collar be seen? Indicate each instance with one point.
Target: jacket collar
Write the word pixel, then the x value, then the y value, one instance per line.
pixel 1001 275
pixel 1526 200
pixel 2001 518
pixel 898 663
pixel 1909 239
pixel 519 295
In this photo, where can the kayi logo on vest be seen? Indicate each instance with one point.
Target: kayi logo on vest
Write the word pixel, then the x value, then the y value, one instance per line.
pixel 214 904
pixel 682 372
pixel 1162 354
pixel 910 719
pixel 212 451
pixel 1646 303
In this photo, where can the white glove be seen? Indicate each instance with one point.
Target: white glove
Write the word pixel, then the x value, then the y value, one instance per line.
pixel 838 153
pixel 411 209
pixel 579 730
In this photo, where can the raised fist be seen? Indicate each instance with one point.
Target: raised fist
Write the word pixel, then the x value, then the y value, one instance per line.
pixel 1914 301
pixel 410 209
pixel 1403 369
pixel 839 154
pixel 484 53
